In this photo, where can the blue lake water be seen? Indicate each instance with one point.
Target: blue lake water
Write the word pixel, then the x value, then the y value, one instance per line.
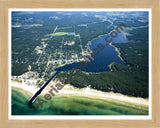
pixel 104 58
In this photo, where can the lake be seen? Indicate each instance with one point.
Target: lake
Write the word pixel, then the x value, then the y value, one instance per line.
pixel 104 58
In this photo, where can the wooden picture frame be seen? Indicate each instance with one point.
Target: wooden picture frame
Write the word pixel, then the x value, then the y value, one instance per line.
pixel 154 5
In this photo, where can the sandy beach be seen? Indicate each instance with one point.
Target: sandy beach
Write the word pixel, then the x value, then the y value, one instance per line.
pixel 23 86
pixel 119 54
pixel 87 92
pixel 110 65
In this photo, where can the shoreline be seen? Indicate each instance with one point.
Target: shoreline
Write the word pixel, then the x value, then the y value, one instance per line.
pixel 116 49
pixel 89 92
pixel 110 66
pixel 86 92
pixel 21 85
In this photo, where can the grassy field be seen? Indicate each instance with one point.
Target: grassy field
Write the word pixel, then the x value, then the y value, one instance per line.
pixel 57 34
pixel 73 105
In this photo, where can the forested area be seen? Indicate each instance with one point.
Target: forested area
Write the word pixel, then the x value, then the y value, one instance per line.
pixel 130 79
pixel 33 44
pixel 31 30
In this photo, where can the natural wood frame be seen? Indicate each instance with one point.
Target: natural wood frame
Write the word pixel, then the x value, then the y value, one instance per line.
pixel 4 68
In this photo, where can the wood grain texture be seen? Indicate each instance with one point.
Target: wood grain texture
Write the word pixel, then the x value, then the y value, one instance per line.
pixel 4 38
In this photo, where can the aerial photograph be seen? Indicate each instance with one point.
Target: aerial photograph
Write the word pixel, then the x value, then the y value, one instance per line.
pixel 79 62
